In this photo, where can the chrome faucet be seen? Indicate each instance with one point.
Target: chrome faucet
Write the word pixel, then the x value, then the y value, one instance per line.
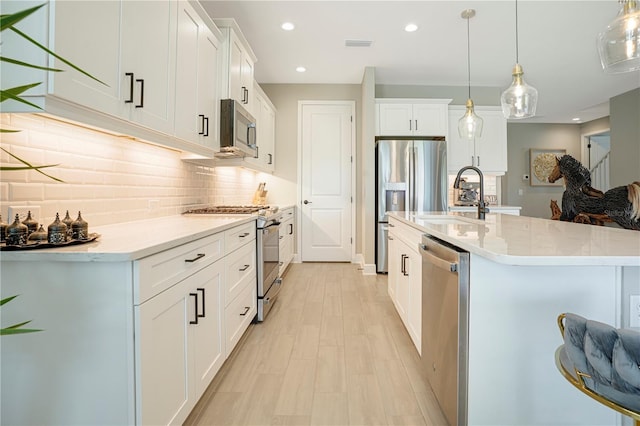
pixel 482 207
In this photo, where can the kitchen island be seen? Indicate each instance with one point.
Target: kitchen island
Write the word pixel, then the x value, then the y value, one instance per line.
pixel 523 273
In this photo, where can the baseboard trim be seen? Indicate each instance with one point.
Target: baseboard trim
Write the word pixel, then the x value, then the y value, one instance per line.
pixel 367 268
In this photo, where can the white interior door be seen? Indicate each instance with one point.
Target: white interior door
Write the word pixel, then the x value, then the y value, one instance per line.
pixel 326 181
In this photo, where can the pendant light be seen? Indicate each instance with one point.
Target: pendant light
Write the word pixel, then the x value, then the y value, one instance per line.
pixel 520 99
pixel 619 43
pixel 470 125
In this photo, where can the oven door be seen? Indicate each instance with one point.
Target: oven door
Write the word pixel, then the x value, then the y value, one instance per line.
pixel 268 256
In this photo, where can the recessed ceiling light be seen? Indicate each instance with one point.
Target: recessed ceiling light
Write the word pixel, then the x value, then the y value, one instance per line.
pixel 287 26
pixel 576 119
pixel 411 28
pixel 301 69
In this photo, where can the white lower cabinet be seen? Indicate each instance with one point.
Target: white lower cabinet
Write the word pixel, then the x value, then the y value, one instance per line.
pixel 405 277
pixel 287 238
pixel 124 342
pixel 181 346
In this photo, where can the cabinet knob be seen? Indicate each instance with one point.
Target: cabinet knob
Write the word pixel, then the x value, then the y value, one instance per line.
pixel 307 202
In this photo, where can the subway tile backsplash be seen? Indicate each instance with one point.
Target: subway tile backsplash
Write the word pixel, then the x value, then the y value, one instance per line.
pixel 111 179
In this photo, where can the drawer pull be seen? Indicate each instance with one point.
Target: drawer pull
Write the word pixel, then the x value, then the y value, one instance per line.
pixel 198 257
pixel 244 268
pixel 195 321
pixel 243 235
pixel 246 310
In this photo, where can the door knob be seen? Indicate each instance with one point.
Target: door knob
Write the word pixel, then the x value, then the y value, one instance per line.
pixel 307 202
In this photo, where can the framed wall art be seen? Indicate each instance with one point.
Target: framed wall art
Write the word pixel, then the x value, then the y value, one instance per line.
pixel 541 164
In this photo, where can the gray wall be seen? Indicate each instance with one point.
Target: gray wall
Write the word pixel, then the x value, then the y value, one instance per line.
pixel 625 138
pixel 522 137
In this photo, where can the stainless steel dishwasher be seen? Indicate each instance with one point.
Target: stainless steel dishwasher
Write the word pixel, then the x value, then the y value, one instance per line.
pixel 445 325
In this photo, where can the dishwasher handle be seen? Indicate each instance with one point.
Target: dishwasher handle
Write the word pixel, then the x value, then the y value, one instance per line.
pixel 438 262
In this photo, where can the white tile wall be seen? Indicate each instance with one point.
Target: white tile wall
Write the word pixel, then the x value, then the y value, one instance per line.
pixel 110 179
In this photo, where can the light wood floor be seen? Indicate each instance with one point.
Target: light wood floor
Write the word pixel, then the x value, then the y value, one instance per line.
pixel 333 351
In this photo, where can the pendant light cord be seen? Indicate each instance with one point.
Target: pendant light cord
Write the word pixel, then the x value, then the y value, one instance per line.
pixel 517 58
pixel 468 59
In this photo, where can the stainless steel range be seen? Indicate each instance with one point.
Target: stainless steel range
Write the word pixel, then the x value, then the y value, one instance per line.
pixel 267 249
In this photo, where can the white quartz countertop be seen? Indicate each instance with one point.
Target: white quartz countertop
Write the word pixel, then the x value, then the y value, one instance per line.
pixel 491 207
pixel 521 240
pixel 134 240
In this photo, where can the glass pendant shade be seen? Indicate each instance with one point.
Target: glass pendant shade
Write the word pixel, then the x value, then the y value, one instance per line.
pixel 520 99
pixel 619 43
pixel 470 125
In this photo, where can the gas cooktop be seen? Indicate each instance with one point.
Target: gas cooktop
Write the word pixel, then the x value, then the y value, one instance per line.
pixel 227 210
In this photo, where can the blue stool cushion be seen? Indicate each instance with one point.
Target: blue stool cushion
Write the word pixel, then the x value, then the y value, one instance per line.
pixel 610 356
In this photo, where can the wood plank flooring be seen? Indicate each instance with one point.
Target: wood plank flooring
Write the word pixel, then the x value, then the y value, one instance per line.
pixel 333 351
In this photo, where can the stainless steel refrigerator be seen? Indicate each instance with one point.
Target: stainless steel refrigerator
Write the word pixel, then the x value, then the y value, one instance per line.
pixel 411 175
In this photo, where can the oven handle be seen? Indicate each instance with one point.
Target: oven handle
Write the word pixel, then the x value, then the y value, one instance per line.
pixel 272 224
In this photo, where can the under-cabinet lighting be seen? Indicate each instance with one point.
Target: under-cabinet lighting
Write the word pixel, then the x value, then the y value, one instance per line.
pixel 287 26
pixel 301 69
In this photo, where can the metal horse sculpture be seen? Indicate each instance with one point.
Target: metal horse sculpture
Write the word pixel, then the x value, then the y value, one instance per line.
pixel 620 205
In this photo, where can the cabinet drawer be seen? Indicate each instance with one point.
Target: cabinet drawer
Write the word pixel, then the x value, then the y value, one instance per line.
pixel 156 273
pixel 411 236
pixel 238 316
pixel 240 266
pixel 239 236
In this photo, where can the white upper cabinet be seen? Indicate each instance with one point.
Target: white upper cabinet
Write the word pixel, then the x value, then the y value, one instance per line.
pixel 412 117
pixel 197 99
pixel 488 152
pixel 130 46
pixel 237 65
pixel 265 115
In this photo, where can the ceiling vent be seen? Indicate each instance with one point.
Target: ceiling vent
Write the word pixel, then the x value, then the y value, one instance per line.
pixel 358 43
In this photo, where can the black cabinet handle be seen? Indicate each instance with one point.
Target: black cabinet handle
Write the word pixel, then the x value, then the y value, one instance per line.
pixel 198 257
pixel 243 235
pixel 291 229
pixel 141 104
pixel 416 124
pixel 246 310
pixel 201 132
pixel 246 95
pixel 270 159
pixel 206 126
pixel 404 265
pixel 130 100
pixel 198 315
pixel 244 268
pixel 195 321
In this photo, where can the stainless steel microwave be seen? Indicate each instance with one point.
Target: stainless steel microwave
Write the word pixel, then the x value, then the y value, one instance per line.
pixel 237 129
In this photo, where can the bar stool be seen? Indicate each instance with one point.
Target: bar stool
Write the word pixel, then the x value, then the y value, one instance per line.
pixel 601 361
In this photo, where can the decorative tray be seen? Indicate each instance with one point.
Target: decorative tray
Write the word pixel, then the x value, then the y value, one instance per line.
pixel 44 244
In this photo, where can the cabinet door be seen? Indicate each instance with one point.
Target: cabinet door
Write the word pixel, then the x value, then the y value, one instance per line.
pixel 164 395
pixel 148 51
pixel 430 119
pixel 246 79
pixel 267 148
pixel 208 96
pixel 491 147
pixel 93 44
pixel 393 266
pixel 403 292
pixel 395 119
pixel 207 339
pixel 414 318
pixel 235 69
pixel 196 71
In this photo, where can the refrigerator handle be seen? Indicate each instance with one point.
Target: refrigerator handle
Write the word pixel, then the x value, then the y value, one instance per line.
pixel 413 178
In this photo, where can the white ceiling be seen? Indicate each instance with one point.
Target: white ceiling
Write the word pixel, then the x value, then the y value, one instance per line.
pixel 557 46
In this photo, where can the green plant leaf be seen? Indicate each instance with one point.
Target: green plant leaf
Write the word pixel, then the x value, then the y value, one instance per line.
pixel 24 64
pixel 17 31
pixel 32 167
pixel 8 131
pixel 8 299
pixel 17 325
pixel 7 21
pixel 13 93
pixel 14 168
pixel 10 331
